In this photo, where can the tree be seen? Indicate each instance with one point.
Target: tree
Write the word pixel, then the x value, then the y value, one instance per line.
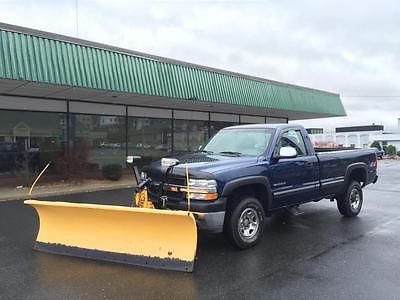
pixel 391 150
pixel 376 145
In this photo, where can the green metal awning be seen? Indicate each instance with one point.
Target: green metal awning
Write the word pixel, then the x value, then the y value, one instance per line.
pixel 45 58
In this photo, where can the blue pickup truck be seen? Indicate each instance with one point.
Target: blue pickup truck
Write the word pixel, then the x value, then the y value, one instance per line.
pixel 245 173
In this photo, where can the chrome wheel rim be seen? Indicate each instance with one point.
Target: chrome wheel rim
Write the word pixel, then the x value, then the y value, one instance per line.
pixel 249 222
pixel 355 199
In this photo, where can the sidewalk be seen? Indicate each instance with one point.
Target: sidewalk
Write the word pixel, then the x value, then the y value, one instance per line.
pixel 64 188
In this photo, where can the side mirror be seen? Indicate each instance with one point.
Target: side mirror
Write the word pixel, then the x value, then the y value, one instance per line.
pixel 287 152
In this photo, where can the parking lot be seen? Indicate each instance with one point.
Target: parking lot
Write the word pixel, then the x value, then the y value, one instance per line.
pixel 315 255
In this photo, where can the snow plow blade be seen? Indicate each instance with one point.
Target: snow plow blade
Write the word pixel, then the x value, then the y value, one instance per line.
pixel 162 239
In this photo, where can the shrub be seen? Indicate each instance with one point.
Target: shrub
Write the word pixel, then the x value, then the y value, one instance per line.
pixel 398 153
pixel 376 145
pixel 112 172
pixel 74 164
pixel 391 150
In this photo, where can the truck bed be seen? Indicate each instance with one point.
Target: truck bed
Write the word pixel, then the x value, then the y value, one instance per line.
pixel 334 164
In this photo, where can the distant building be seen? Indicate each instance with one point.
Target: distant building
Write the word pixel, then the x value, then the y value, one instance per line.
pixel 315 130
pixel 388 138
pixel 369 128
pixel 353 136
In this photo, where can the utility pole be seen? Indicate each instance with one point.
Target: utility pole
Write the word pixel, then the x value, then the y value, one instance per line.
pixel 76 18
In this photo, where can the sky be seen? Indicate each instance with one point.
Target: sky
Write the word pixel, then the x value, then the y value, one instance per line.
pixel 347 47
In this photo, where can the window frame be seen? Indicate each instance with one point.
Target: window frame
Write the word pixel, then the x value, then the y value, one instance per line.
pixel 302 139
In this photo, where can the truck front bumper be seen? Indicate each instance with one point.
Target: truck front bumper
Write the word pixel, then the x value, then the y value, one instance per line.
pixel 209 215
pixel 210 222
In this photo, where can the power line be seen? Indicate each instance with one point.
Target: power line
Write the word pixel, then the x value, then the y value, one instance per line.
pixel 372 96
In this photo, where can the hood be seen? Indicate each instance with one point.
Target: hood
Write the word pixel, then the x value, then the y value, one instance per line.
pixel 201 165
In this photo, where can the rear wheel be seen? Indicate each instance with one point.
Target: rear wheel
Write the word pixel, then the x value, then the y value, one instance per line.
pixel 350 204
pixel 244 223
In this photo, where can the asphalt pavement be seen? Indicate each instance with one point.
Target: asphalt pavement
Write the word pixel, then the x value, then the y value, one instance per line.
pixel 315 255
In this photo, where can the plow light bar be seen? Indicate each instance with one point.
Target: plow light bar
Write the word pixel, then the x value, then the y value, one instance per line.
pixel 169 162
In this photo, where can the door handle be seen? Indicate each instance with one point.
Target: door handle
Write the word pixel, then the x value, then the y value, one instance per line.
pixel 309 164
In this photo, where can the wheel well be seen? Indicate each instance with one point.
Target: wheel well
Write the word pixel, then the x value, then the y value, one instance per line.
pixel 358 175
pixel 257 190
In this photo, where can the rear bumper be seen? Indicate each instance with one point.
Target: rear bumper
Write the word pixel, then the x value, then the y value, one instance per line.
pixel 372 177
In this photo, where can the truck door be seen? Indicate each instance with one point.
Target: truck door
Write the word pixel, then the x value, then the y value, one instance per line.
pixel 294 180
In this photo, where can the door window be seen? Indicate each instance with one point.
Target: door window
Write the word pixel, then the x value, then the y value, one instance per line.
pixel 292 138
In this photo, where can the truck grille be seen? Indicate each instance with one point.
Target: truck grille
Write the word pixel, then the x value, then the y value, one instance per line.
pixel 155 192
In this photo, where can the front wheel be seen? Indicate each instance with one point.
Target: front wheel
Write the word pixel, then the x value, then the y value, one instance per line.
pixel 244 223
pixel 349 204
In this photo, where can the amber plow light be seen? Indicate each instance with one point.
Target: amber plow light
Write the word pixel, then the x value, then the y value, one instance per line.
pixel 201 195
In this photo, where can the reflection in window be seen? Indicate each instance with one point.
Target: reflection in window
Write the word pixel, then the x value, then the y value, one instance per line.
pixel 240 142
pixel 97 140
pixel 216 126
pixel 149 138
pixel 28 140
pixel 292 138
pixel 189 135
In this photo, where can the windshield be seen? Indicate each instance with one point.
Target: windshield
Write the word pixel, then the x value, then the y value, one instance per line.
pixel 248 142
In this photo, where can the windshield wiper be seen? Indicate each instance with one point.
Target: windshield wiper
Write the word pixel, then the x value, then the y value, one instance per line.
pixel 230 153
pixel 206 151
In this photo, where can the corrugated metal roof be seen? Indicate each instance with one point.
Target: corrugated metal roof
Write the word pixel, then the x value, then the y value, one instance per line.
pixel 38 58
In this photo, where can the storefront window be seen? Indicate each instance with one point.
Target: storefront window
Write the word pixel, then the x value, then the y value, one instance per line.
pixel 216 126
pixel 149 137
pixel 28 140
pixel 96 141
pixel 189 135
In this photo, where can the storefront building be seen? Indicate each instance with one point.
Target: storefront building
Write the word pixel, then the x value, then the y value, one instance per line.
pixel 83 105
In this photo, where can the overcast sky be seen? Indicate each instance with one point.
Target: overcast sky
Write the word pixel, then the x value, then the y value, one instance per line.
pixel 347 47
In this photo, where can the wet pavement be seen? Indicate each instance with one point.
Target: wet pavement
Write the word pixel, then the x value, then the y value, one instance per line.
pixel 316 255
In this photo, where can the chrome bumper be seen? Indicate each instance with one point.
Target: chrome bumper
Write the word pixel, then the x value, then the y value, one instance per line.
pixel 211 222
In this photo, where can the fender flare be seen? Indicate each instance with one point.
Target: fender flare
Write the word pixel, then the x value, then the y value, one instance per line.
pixel 352 167
pixel 245 181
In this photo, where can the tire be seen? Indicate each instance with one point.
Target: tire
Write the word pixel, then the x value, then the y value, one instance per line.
pixel 244 223
pixel 350 203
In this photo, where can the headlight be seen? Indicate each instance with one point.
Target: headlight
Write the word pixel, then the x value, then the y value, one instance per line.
pixel 203 184
pixel 202 189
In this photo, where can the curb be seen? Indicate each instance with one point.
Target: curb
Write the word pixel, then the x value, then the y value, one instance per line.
pixel 64 192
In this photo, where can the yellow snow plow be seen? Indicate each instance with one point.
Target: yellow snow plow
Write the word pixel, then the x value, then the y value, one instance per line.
pixel 141 235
